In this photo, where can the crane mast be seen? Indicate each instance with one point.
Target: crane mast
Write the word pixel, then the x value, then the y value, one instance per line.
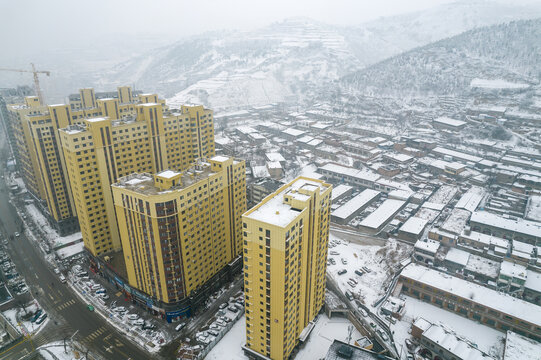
pixel 36 79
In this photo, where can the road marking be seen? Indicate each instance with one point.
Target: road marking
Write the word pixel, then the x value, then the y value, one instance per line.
pixel 66 304
pixel 96 333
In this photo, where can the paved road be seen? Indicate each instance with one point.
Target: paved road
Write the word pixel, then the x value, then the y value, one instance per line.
pixel 67 312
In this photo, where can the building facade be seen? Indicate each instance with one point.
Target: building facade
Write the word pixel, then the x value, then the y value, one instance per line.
pixel 103 149
pixel 38 152
pixel 285 256
pixel 178 229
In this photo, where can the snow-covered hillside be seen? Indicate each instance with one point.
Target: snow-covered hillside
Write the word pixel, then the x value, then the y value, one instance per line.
pixel 500 54
pixel 293 60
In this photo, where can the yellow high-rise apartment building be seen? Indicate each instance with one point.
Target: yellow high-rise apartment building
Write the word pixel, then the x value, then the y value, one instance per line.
pixel 179 229
pixel 38 153
pixel 285 257
pixel 101 150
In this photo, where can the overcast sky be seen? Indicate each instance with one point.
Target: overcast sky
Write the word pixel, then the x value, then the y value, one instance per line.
pixel 57 22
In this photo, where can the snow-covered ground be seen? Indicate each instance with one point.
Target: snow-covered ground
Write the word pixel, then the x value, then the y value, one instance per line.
pixel 379 259
pixel 486 338
pixel 24 327
pixel 322 336
pixel 231 343
pixel 52 236
pixel 55 351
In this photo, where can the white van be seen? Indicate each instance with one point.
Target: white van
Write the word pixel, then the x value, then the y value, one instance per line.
pixel 62 279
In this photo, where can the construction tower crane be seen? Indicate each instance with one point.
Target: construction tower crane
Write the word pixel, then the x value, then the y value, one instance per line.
pixel 36 80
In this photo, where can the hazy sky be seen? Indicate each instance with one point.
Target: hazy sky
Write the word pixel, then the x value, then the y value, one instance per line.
pixel 58 22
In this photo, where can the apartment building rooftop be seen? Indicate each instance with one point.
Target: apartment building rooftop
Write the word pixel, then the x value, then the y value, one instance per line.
pixel 276 212
pixel 145 183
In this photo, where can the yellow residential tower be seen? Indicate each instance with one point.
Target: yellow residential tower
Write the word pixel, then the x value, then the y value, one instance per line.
pixel 285 257
pixel 179 229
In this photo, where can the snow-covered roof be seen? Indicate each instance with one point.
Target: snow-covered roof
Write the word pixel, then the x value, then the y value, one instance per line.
pixel 533 209
pixel 481 265
pixel 246 130
pixel 167 174
pixel 293 132
pixel 471 199
pixel 70 250
pixel 433 206
pixel 457 256
pixel 274 156
pixel 401 158
pixel 414 225
pixel 444 194
pixel 219 158
pixel 520 347
pixel 513 270
pixel 275 211
pixel 456 154
pixel 260 171
pixel 485 239
pixel 274 165
pixel 422 323
pixel 456 222
pixel 382 214
pixel 427 245
pixel 454 344
pixel 449 121
pixel 533 281
pixel 363 175
pixel 355 204
pixel 504 303
pixel 305 139
pixel 519 226
pixel 339 190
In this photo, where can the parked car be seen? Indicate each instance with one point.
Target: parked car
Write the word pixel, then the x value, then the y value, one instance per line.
pixel 221 323
pixel 344 261
pixel 233 309
pixel 133 316
pixel 334 252
pixel 62 278
pixel 37 314
pixel 225 318
pixel 41 318
pixel 359 272
pixel 341 272
pixel 56 271
pixel 349 295
pixel 223 306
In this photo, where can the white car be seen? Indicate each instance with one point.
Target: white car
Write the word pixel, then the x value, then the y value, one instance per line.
pixel 56 271
pixel 133 317
pixel 120 309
